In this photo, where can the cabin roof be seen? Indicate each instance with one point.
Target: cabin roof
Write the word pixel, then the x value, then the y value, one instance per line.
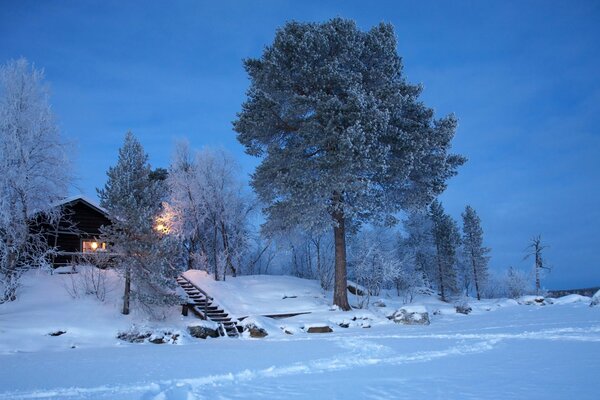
pixel 81 199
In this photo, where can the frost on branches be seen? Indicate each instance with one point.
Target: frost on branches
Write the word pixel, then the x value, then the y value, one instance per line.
pixel 149 260
pixel 344 139
pixel 34 171
pixel 209 210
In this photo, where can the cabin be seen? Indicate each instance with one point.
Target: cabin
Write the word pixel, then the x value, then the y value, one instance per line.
pixel 77 234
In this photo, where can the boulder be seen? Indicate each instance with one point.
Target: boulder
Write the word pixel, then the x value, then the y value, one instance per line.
pixel 57 333
pixel 595 299
pixel 463 309
pixel 379 303
pixel 202 332
pixel 532 300
pixel 411 316
pixel 319 329
pixel 134 336
pixel 256 331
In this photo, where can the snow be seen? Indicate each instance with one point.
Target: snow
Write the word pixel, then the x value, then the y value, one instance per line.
pixel 571 298
pixel 510 351
pixel 263 294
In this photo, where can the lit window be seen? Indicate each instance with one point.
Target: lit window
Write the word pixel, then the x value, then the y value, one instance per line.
pixel 90 246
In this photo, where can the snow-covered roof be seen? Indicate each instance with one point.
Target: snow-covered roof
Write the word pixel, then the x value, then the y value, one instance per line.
pixel 78 197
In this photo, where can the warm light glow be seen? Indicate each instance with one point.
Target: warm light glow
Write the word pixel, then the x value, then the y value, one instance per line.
pixel 160 228
pixel 91 246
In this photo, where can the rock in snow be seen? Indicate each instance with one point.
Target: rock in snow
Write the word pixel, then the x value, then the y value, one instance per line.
pixel 415 315
pixel 256 331
pixel 203 331
pixel 532 300
pixel 319 329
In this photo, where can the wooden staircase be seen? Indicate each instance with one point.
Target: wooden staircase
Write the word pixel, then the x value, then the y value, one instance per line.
pixel 205 307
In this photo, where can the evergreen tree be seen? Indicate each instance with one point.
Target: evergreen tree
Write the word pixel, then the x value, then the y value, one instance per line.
pixel 149 259
pixel 476 255
pixel 343 137
pixel 447 240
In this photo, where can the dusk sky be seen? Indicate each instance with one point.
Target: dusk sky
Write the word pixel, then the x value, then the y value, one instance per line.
pixel 522 77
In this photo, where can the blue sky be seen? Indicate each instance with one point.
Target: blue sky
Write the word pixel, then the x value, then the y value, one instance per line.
pixel 522 77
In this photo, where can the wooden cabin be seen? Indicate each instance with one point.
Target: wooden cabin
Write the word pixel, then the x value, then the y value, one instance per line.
pixel 78 232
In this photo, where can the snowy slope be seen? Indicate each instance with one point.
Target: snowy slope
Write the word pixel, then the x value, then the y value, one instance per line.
pixel 263 294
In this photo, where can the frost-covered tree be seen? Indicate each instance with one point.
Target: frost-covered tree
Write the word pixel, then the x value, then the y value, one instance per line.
pixel 535 250
pixel 374 262
pixel 344 139
pixel 149 260
pixel 210 210
pixel 517 283
pixel 446 238
pixel 417 247
pixel 475 254
pixel 34 171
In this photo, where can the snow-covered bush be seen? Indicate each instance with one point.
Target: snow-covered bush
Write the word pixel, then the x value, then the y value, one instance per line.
pixel 87 279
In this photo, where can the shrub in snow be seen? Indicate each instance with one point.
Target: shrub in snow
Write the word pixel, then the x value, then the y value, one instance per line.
pixel 88 280
pixel 595 299
pixel 415 315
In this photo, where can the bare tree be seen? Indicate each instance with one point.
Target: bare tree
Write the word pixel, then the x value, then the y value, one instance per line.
pixel 535 249
pixel 34 172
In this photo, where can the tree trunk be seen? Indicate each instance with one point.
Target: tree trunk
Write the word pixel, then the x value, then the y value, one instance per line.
pixel 127 293
pixel 215 259
pixel 340 290
pixel 537 271
pixel 225 239
pixel 475 277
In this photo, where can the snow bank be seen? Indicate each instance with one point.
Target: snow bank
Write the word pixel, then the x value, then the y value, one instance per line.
pixel 569 299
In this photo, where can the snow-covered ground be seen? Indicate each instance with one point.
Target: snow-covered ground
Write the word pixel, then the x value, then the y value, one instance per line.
pixel 509 352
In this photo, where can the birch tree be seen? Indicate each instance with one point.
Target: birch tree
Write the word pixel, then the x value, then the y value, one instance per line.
pixel 210 210
pixel 343 138
pixel 34 171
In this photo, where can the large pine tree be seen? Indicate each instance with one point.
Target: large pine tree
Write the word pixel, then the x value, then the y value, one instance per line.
pixel 344 139
pixel 149 260
pixel 476 255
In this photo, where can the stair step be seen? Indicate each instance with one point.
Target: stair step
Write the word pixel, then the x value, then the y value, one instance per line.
pixel 202 305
